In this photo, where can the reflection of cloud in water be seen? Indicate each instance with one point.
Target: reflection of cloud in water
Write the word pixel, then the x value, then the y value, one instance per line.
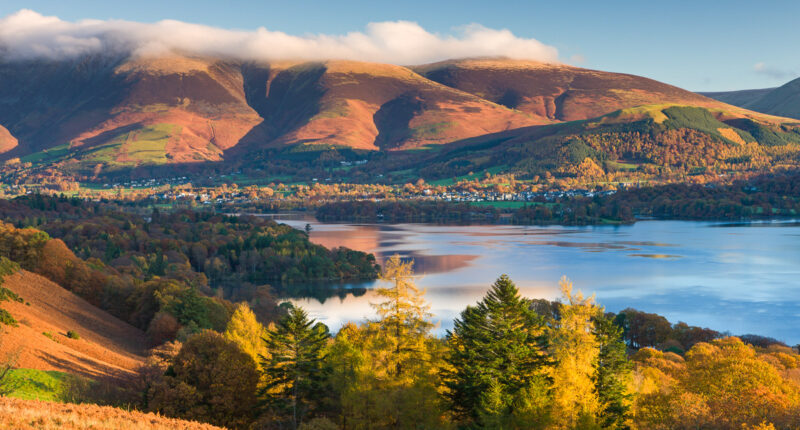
pixel 430 264
pixel 725 278
pixel 656 256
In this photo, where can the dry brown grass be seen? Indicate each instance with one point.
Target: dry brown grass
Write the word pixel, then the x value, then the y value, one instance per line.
pixel 32 414
pixel 107 346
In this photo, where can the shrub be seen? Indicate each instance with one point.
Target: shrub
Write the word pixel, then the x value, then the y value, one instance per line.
pixel 7 319
pixel 72 334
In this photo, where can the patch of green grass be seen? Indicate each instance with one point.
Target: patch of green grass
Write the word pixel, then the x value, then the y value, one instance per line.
pixel 502 204
pixel 147 145
pixel 51 336
pixel 47 155
pixel 431 129
pixel 47 385
pixel 618 165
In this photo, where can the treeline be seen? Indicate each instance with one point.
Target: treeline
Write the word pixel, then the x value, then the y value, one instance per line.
pixel 508 363
pixel 171 274
pixel 760 198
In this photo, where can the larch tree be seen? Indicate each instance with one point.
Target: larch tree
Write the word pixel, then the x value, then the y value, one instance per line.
pixel 496 373
pixel 295 372
pixel 576 351
pixel 385 371
pixel 247 332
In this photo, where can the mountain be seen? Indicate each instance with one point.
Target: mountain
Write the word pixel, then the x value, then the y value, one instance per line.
pixel 781 101
pixel 101 116
pixel 107 346
pixel 660 139
pixel 740 98
pixel 556 91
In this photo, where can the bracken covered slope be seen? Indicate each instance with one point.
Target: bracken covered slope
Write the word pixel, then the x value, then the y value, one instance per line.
pixel 33 414
pixel 107 347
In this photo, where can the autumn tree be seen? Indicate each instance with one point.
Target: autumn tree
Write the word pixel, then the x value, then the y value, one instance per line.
pixel 496 373
pixel 385 371
pixel 576 351
pixel 295 371
pixel 244 330
pixel 210 380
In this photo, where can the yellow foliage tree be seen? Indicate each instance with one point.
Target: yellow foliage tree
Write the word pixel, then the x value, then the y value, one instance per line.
pixel 575 350
pixel 244 330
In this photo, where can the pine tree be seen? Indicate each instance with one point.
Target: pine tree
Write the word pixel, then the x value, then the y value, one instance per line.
pixel 295 372
pixel 497 362
pixel 613 376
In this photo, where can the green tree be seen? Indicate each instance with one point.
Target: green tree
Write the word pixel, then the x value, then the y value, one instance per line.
pixel 295 372
pixel 613 376
pixel 496 376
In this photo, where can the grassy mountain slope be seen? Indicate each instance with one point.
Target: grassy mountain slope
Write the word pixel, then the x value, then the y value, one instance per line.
pixel 653 138
pixel 32 414
pixel 373 106
pixel 102 116
pixel 555 91
pixel 741 98
pixel 107 347
pixel 782 101
pixel 7 141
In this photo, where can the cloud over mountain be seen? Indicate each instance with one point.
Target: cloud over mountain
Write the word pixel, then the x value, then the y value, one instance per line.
pixel 28 34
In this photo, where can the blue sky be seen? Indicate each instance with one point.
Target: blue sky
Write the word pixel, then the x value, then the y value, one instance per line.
pixel 698 45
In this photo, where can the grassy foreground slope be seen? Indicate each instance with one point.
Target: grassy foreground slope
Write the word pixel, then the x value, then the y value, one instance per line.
pixel 31 414
pixel 106 347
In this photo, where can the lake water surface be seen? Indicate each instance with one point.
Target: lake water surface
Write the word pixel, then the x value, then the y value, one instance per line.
pixel 741 278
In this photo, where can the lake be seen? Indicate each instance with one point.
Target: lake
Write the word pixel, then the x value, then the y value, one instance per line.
pixel 735 277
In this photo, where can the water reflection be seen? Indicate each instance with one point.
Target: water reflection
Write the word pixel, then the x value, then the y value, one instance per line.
pixel 734 278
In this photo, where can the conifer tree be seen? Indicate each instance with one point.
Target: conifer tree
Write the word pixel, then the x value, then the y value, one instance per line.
pixel 575 350
pixel 247 332
pixel 295 372
pixel 385 371
pixel 613 376
pixel 496 374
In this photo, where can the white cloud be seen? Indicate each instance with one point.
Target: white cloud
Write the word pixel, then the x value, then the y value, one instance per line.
pixel 773 72
pixel 28 34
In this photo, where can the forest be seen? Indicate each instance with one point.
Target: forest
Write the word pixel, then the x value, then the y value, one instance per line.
pixel 171 274
pixel 228 354
pixel 509 363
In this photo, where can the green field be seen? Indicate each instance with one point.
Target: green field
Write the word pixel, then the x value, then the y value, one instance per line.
pixel 48 385
pixel 501 204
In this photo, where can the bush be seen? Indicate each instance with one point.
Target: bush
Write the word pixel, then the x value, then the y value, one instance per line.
pixel 72 334
pixel 7 319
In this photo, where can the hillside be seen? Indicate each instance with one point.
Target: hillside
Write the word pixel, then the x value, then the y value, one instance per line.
pixel 107 347
pixel 660 139
pixel 556 91
pixel 7 141
pixel 781 101
pixel 741 98
pixel 32 414
pixel 100 117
